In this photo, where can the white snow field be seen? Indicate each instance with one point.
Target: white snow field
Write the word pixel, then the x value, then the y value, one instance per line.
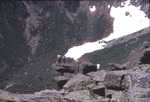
pixel 127 20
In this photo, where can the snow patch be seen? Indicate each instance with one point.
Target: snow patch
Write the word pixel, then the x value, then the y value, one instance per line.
pixel 127 20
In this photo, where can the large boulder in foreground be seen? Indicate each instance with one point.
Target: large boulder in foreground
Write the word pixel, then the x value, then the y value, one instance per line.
pixel 117 80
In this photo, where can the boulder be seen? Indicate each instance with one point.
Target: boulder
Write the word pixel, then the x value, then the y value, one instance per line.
pixel 64 68
pixel 79 81
pixel 114 67
pixel 99 89
pixel 117 80
pixel 138 94
pixel 140 79
pixel 98 75
pixel 82 95
pixel 61 80
pixel 87 67
pixel 140 86
pixel 143 67
pixel 119 95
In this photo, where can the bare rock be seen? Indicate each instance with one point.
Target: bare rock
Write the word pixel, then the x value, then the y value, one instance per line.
pixel 140 55
pixel 82 95
pixel 143 67
pixel 138 94
pixel 61 81
pixel 42 96
pixel 79 81
pixel 64 68
pixel 140 79
pixel 118 95
pixel 116 80
pixel 114 67
pixel 99 89
pixel 87 67
pixel 98 75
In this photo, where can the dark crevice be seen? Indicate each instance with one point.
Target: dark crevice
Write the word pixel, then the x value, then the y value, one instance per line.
pixel 89 69
pixel 146 58
pixel 66 70
pixel 60 84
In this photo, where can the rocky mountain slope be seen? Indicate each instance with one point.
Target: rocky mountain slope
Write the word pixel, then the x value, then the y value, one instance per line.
pixel 32 33
pixel 117 51
pixel 83 82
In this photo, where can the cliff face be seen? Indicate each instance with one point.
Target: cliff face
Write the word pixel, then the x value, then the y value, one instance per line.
pixel 85 82
pixel 32 33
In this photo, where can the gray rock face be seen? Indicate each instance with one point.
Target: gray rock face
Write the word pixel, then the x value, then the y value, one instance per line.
pixel 34 32
pixel 86 67
pixel 141 79
pixel 98 76
pixel 43 96
pixel 114 67
pixel 99 90
pixel 83 95
pixel 78 82
pixel 115 80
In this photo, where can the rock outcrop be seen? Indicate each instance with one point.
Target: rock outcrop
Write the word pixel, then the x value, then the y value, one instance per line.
pixel 32 33
pixel 43 96
pixel 117 83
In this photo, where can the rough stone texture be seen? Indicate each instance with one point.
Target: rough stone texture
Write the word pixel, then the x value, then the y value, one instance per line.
pixel 77 82
pixel 86 67
pixel 64 68
pixel 98 75
pixel 113 66
pixel 141 79
pixel 99 90
pixel 143 67
pixel 33 32
pixel 115 80
pixel 83 95
pixel 61 81
pixel 119 95
pixel 43 96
